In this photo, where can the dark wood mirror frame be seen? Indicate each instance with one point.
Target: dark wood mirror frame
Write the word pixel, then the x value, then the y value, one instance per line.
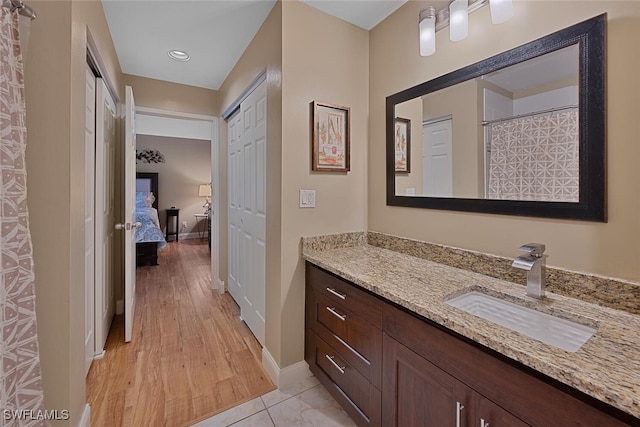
pixel 590 37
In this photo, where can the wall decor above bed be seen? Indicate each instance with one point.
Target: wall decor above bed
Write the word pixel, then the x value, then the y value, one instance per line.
pixel 149 156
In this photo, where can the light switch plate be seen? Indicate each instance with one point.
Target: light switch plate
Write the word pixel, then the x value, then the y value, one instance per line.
pixel 307 198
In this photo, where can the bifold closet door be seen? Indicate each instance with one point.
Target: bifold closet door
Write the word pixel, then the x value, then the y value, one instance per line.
pixel 247 138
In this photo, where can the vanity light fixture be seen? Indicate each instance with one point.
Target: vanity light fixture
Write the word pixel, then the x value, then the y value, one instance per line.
pixel 178 55
pixel 456 17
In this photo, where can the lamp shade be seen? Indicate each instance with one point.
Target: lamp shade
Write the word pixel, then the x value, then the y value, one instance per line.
pixel 501 10
pixel 458 20
pixel 204 190
pixel 427 31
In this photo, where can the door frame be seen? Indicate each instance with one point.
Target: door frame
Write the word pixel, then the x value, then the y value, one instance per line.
pixel 89 248
pixel 216 255
pixel 95 62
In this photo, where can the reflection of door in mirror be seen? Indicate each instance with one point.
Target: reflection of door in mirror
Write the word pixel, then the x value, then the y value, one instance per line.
pixel 514 134
pixel 437 138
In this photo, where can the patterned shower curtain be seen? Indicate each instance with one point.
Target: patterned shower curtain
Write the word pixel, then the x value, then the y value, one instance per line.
pixel 21 398
pixel 535 158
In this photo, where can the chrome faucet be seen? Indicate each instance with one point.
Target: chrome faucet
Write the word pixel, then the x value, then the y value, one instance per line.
pixel 534 263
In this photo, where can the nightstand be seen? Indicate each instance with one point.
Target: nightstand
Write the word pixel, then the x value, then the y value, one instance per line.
pixel 173 212
pixel 199 217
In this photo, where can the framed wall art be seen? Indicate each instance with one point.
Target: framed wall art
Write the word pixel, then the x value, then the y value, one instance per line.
pixel 331 126
pixel 403 145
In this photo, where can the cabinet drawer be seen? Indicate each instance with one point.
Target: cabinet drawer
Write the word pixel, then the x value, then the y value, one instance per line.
pixel 356 394
pixel 358 342
pixel 358 301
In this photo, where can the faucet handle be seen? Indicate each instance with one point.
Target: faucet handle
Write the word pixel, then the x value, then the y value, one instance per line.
pixel 534 249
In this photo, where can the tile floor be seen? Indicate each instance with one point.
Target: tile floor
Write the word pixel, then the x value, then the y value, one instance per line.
pixel 305 404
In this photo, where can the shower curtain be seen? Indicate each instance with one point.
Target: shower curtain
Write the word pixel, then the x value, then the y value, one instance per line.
pixel 21 397
pixel 535 158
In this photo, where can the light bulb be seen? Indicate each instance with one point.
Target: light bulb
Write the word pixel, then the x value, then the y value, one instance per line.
pixel 458 20
pixel 427 31
pixel 501 10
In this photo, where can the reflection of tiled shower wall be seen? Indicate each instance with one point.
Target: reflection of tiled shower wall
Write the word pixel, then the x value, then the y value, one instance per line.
pixel 535 158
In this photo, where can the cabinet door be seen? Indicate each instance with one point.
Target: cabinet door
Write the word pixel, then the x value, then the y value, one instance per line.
pixel 417 393
pixel 488 414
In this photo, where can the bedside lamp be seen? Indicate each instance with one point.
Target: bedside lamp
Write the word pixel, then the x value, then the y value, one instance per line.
pixel 204 190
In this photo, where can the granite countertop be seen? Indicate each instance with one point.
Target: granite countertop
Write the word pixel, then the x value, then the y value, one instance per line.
pixel 606 367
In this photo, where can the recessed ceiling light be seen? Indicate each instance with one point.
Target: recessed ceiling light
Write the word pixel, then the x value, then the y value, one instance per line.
pixel 178 55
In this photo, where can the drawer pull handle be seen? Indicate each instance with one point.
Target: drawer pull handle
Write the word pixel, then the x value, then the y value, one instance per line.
pixel 338 294
pixel 459 408
pixel 483 423
pixel 338 367
pixel 333 311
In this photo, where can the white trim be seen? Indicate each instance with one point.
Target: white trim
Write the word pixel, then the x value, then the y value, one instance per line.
pixel 156 112
pixel 235 105
pixel 172 127
pixel 85 419
pixel 216 177
pixel 100 355
pixel 119 307
pixel 285 377
pixel 215 181
pixel 222 286
pixel 195 235
pixel 94 53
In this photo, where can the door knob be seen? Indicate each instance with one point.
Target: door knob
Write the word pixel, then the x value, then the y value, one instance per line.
pixel 128 225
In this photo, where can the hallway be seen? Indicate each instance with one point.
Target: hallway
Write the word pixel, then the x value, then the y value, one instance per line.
pixel 190 357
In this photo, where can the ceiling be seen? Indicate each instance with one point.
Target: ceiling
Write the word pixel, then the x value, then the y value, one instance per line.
pixel 213 32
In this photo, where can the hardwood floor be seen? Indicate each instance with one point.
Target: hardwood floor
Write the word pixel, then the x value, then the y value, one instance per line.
pixel 190 357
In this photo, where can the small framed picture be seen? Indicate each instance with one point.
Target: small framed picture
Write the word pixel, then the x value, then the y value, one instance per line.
pixel 330 151
pixel 403 145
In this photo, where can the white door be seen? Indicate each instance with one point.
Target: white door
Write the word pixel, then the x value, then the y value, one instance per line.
pixel 437 159
pixel 105 213
pixel 247 209
pixel 234 182
pixel 89 216
pixel 129 226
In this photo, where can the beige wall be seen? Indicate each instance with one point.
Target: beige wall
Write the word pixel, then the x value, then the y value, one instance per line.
pixel 323 59
pixel 315 64
pixel 174 97
pixel 412 110
pixel 263 53
pixel 55 91
pixel 609 249
pixel 460 101
pixel 187 166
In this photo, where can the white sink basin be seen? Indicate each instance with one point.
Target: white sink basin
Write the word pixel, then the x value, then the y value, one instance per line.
pixel 561 333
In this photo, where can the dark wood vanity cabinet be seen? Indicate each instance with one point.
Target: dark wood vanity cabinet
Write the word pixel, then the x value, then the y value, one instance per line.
pixel 389 367
pixel 343 343
pixel 418 393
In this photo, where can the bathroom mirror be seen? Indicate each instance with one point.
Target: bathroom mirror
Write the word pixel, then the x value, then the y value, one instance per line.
pixel 521 133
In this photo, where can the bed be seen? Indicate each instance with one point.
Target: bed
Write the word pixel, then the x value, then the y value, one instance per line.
pixel 149 237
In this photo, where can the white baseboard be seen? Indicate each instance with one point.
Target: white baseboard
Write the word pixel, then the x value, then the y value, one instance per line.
pixel 222 287
pixel 120 307
pixel 85 419
pixel 285 377
pixel 99 355
pixel 196 235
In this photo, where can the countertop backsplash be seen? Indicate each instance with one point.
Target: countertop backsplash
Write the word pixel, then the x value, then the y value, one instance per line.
pixel 605 291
